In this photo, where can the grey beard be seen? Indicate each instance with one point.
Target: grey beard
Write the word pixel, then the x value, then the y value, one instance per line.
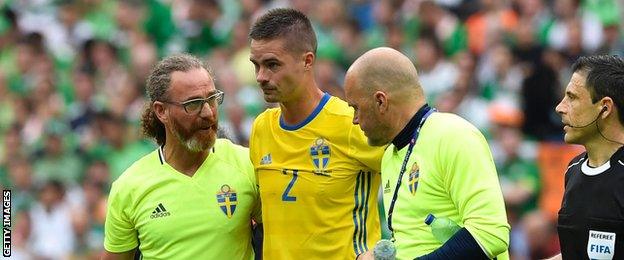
pixel 192 144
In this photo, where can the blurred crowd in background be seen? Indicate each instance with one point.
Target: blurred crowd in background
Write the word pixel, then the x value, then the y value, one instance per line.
pixel 72 75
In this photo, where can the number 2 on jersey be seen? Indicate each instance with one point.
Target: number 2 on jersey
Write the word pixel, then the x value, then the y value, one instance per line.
pixel 285 195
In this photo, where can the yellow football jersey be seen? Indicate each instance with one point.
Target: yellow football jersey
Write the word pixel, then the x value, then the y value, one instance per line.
pixel 318 184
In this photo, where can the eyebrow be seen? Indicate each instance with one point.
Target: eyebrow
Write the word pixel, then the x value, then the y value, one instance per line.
pixel 200 97
pixel 270 59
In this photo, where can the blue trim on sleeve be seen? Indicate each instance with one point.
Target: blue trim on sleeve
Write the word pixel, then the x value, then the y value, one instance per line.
pixel 462 245
pixel 361 210
pixel 368 192
pixel 317 110
pixel 356 249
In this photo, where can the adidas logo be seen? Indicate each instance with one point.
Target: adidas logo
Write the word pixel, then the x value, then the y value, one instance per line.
pixel 159 212
pixel 266 159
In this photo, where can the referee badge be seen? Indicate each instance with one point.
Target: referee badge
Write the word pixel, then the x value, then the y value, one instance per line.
pixel 413 178
pixel 227 200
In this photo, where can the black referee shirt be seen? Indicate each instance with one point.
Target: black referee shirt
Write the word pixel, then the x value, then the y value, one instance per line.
pixel 591 218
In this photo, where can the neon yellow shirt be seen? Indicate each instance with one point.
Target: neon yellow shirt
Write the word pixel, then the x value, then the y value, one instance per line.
pixel 318 182
pixel 170 215
pixel 450 174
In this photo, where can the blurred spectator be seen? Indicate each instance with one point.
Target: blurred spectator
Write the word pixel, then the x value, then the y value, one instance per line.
pixel 50 217
pixel 490 25
pixel 574 29
pixel 539 95
pixel 447 27
pixel 54 161
pixel 500 76
pixel 21 184
pixel 517 170
pixel 437 75
pixel 117 147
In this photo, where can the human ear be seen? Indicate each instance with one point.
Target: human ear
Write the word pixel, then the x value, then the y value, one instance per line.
pixel 160 111
pixel 381 101
pixel 308 60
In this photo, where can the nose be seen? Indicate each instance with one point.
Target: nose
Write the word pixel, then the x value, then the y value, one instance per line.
pixel 207 111
pixel 560 108
pixel 262 76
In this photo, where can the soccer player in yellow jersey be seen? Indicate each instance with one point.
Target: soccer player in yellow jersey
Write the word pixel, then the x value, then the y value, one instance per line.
pixel 195 196
pixel 318 178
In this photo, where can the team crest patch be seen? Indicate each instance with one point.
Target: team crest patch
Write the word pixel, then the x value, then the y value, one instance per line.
pixel 320 154
pixel 413 179
pixel 227 199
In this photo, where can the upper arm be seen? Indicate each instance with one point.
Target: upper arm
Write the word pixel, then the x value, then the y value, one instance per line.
pixel 120 234
pixel 472 184
pixel 360 149
pixel 128 255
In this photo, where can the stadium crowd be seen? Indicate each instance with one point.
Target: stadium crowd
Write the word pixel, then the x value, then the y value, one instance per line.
pixel 72 76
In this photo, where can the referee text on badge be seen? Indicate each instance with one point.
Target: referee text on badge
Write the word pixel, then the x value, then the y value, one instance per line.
pixel 6 223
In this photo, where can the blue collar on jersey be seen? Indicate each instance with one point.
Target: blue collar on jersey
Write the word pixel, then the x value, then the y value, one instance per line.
pixel 316 111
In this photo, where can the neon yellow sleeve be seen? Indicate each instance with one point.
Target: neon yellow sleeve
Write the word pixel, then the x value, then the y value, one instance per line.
pixel 472 183
pixel 120 234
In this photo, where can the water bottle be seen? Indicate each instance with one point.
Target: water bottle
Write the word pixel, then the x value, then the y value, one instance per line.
pixel 384 250
pixel 442 228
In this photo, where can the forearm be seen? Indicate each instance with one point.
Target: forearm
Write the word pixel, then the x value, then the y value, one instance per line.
pixel 462 245
pixel 128 255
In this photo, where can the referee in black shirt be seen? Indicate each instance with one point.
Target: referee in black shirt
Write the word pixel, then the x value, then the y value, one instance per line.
pixel 591 218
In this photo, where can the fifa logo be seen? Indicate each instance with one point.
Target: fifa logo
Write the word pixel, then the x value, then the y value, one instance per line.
pixel 320 153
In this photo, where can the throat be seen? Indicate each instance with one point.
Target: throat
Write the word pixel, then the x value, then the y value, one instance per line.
pixel 600 155
pixel 183 160
pixel 297 112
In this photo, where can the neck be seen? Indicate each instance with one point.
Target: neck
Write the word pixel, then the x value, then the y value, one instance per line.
pixel 404 115
pixel 181 159
pixel 600 150
pixel 298 109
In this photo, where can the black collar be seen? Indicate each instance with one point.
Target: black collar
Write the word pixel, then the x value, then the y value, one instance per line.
pixel 404 137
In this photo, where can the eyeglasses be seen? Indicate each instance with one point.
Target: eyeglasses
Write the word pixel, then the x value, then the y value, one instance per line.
pixel 195 106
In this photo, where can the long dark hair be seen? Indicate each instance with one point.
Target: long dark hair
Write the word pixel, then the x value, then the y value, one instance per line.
pixel 158 82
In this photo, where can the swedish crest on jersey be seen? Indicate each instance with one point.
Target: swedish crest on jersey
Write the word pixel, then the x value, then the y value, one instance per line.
pixel 320 154
pixel 413 178
pixel 227 200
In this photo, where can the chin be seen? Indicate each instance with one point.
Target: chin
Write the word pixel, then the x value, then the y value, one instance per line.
pixel 196 145
pixel 570 140
pixel 376 142
pixel 271 97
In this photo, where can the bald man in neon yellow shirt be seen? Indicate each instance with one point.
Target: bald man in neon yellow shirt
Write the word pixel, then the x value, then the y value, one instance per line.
pixel 437 163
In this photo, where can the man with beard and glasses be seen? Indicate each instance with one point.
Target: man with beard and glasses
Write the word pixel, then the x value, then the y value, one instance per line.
pixel 196 195
pixel 318 177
